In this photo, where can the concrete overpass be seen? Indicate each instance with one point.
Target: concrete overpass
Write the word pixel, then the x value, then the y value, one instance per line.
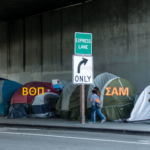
pixel 37 38
pixel 16 9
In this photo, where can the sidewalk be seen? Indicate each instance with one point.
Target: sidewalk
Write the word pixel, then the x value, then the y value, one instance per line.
pixel 57 123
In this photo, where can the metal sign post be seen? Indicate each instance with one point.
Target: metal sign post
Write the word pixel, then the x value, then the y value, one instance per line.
pixel 82 103
pixel 82 66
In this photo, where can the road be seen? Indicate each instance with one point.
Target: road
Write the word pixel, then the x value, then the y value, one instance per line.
pixel 40 139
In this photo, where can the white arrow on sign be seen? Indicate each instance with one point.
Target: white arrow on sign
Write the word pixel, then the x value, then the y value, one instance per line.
pixel 82 69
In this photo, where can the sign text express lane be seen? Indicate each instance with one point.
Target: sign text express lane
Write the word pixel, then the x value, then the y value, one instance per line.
pixel 83 43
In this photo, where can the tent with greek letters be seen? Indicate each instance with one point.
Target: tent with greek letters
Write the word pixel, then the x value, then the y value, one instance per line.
pixel 117 107
pixel 27 104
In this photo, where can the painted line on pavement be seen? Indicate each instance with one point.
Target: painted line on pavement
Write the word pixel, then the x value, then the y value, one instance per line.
pixel 77 138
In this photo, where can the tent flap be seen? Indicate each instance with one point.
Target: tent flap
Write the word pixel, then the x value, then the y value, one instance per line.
pixel 141 110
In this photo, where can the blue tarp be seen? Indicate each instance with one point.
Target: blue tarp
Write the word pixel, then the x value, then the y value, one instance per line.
pixel 58 87
pixel 7 90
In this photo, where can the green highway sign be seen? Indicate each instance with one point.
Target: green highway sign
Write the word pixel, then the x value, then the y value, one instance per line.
pixel 83 43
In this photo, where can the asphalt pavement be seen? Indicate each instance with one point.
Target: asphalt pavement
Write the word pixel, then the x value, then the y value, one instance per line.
pixel 39 139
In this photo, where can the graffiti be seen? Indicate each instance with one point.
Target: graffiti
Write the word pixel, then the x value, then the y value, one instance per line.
pixel 32 91
pixel 118 93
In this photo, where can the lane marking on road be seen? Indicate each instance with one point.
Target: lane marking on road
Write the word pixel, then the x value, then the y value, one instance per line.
pixel 77 138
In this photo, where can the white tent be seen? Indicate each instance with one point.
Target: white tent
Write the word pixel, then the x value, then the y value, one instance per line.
pixel 141 110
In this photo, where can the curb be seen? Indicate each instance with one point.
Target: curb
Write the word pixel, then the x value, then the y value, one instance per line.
pixel 104 130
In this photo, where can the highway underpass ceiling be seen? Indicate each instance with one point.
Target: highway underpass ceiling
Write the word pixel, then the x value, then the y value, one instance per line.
pixel 16 9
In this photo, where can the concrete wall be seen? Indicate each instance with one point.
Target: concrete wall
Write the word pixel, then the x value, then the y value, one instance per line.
pixel 16 46
pixel 3 50
pixel 41 47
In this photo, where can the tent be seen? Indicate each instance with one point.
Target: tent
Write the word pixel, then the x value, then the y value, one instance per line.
pixel 44 105
pixel 141 110
pixel 117 107
pixel 7 90
pixel 68 105
pixel 113 107
pixel 38 105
